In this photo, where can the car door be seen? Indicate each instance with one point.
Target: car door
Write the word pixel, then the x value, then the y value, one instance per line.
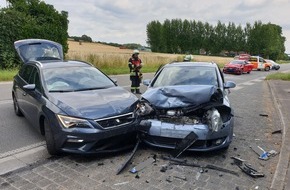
pixel 33 97
pixel 20 81
pixel 246 67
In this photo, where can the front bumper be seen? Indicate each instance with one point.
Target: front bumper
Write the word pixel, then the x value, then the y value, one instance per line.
pixel 92 141
pixel 168 135
pixel 232 70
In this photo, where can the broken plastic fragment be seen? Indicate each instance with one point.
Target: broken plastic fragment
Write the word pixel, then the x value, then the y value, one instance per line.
pixel 142 165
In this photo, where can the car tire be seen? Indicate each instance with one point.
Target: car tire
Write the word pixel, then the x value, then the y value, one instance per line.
pixel 267 69
pixel 16 107
pixel 49 139
pixel 249 72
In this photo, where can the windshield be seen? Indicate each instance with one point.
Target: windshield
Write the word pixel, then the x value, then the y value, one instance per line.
pixel 186 75
pixel 39 51
pixel 69 79
pixel 237 62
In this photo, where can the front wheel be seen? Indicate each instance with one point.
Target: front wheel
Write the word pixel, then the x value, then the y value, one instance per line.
pixel 267 69
pixel 16 107
pixel 49 139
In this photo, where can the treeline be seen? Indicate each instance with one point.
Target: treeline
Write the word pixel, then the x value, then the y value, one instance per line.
pixel 184 36
pixel 24 19
pixel 83 38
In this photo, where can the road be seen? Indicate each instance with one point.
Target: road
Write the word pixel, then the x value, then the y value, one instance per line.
pixel 255 120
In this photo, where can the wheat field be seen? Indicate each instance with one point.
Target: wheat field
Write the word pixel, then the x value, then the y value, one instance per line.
pixel 113 60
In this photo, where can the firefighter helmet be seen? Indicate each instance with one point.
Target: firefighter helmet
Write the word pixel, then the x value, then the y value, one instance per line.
pixel 136 51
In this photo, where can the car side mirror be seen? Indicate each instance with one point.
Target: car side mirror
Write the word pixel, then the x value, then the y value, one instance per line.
pixel 115 80
pixel 146 82
pixel 229 84
pixel 29 87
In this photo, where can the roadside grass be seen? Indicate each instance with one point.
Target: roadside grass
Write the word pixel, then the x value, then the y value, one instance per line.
pixel 278 76
pixel 283 61
pixel 7 75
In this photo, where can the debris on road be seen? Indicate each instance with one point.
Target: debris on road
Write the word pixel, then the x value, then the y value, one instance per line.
pixel 180 177
pixel 164 168
pixel 246 168
pixel 184 144
pixel 263 155
pixel 122 183
pixel 264 115
pixel 277 131
pixel 173 159
pixel 142 165
pixel 129 158
pixel 208 166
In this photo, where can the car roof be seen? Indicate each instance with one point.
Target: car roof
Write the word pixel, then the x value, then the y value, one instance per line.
pixel 60 64
pixel 207 64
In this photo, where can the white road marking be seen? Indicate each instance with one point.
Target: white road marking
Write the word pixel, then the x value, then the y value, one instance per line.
pixel 248 83
pixel 22 149
pixel 6 102
pixel 237 88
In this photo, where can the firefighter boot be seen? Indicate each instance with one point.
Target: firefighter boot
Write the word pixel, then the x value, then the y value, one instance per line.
pixel 132 90
pixel 138 91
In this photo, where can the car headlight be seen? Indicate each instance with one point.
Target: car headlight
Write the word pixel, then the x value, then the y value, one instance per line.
pixel 144 108
pixel 71 122
pixel 214 120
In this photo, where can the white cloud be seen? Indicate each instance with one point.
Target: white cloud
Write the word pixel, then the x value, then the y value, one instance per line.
pixel 125 21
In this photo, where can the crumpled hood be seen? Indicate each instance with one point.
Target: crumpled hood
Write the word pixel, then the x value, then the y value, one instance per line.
pixel 94 104
pixel 179 96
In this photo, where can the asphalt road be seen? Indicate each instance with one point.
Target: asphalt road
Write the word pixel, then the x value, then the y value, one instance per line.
pixel 16 133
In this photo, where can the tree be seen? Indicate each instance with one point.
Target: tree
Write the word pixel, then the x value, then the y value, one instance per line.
pixel 177 36
pixel 266 40
pixel 30 19
pixel 154 35
pixel 208 38
pixel 219 38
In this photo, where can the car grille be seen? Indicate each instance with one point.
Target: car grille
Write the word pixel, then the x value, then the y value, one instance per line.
pixel 116 121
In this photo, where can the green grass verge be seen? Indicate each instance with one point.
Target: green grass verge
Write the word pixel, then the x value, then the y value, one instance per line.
pixel 7 75
pixel 278 76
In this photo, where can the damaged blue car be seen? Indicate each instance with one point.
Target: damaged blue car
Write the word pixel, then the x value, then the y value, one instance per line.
pixel 185 98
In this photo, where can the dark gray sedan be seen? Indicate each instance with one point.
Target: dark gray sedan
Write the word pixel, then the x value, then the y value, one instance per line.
pixel 186 98
pixel 73 104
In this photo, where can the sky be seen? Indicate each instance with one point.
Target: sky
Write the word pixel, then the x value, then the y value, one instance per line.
pixel 125 21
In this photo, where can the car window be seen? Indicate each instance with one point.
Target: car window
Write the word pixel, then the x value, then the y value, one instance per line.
pixel 197 75
pixel 237 62
pixel 25 72
pixel 75 79
pixel 34 79
pixel 39 51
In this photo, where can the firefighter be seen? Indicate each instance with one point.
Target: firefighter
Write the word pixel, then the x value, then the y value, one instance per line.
pixel 135 65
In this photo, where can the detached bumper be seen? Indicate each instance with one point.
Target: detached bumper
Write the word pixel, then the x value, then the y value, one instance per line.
pixel 167 135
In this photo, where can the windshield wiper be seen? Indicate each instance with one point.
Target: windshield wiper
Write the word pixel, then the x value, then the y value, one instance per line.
pixel 92 88
pixel 61 91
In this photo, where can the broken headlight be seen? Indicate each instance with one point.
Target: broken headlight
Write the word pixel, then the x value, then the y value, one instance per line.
pixel 214 119
pixel 144 108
